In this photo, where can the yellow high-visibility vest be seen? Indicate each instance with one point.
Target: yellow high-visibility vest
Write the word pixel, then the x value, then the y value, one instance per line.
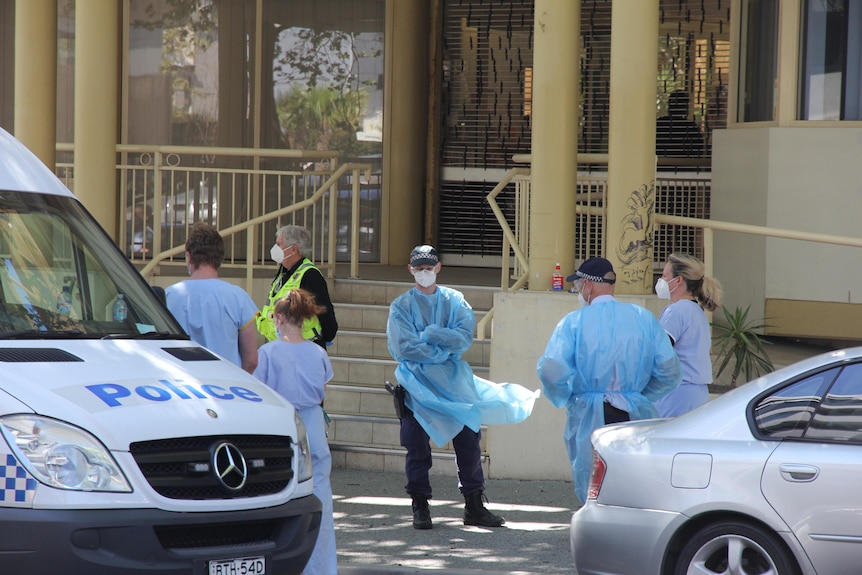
pixel 266 324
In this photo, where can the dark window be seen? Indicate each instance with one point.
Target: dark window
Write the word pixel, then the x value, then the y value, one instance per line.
pixel 788 411
pixel 759 60
pixel 839 417
pixel 831 78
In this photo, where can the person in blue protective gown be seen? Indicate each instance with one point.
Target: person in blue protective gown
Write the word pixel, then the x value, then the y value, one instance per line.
pixel 606 363
pixel 429 328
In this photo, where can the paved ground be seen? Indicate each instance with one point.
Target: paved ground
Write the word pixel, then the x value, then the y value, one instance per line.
pixel 374 533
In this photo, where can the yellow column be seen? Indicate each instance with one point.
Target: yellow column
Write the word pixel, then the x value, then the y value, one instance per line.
pixel 36 77
pixel 631 143
pixel 404 123
pixel 789 37
pixel 97 81
pixel 555 139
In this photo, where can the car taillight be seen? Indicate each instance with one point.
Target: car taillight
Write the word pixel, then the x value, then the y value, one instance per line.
pixel 597 476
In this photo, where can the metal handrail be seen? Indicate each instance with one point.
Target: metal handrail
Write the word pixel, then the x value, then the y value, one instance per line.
pixel 149 269
pixel 509 242
pixel 509 236
pixel 708 227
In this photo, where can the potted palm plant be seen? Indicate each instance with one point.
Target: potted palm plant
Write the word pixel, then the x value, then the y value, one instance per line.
pixel 737 340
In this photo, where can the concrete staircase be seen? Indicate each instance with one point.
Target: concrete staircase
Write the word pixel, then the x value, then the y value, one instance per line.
pixel 364 432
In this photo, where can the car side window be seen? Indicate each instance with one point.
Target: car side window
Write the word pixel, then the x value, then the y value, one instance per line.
pixel 839 417
pixel 787 412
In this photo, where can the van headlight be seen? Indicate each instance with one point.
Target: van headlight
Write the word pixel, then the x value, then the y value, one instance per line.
pixel 303 453
pixel 61 455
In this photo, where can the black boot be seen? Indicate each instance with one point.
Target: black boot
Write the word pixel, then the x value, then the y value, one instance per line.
pixel 421 512
pixel 475 512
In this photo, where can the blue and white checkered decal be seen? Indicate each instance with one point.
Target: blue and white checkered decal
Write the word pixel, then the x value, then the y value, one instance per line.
pixel 17 487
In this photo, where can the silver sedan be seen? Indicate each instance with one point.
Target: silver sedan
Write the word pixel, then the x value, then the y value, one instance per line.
pixel 765 479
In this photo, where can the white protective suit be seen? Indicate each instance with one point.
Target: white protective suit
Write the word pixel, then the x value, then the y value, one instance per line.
pixel 588 348
pixel 427 335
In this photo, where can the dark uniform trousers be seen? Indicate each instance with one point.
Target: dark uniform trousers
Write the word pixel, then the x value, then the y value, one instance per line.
pixel 468 457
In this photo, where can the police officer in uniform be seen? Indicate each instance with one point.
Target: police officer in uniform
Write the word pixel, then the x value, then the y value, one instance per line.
pixel 295 270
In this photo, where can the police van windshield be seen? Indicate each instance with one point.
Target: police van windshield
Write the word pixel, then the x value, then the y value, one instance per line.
pixel 62 276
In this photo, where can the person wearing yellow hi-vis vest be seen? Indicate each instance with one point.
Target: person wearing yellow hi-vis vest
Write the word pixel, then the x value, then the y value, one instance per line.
pixel 295 271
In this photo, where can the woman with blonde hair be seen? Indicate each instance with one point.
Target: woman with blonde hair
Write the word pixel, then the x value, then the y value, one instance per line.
pixel 298 369
pixel 683 281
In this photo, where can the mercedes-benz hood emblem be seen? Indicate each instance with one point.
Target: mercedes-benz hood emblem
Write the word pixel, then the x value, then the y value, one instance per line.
pixel 230 467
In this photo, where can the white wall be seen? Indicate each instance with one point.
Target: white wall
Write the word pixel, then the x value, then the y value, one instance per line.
pixel 739 184
pixel 799 178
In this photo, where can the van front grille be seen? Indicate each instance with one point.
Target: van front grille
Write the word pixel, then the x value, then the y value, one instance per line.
pixel 187 468
pixel 217 535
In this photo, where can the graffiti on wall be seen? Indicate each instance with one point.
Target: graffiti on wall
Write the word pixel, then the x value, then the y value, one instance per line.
pixel 634 249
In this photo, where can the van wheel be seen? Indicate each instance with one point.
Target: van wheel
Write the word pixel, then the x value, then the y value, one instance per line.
pixel 735 548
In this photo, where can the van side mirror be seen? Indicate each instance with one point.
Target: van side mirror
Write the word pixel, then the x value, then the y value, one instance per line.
pixel 160 294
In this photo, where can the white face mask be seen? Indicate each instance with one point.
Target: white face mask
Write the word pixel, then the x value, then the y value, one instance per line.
pixel 425 278
pixel 662 289
pixel 581 299
pixel 276 253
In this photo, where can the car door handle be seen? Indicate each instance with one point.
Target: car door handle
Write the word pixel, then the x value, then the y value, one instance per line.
pixel 798 472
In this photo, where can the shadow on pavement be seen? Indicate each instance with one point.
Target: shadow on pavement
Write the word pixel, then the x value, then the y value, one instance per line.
pixel 374 532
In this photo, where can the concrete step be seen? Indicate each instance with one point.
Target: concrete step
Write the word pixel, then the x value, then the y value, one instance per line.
pixel 373 442
pixel 379 292
pixel 360 400
pixel 373 317
pixel 361 317
pixel 373 371
pixel 372 344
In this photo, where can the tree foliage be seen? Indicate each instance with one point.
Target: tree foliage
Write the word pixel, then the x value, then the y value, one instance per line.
pixel 322 118
pixel 321 58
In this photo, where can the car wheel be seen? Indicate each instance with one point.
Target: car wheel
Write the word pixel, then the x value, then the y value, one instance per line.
pixel 734 548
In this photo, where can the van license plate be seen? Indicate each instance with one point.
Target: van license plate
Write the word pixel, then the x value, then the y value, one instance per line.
pixel 245 566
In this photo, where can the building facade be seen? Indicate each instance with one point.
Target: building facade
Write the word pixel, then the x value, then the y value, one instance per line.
pixel 745 111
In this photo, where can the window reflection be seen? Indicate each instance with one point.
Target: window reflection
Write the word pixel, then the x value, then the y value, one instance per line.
pixel 788 411
pixel 832 60
pixel 839 417
pixel 173 73
pixel 759 64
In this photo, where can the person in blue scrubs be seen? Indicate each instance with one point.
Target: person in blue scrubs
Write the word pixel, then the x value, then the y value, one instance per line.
pixel 298 370
pixel 214 313
pixel 684 282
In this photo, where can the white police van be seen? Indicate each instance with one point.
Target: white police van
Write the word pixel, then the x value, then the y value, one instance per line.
pixel 126 448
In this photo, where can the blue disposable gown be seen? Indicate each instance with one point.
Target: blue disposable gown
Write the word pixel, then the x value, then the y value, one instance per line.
pixel 586 349
pixel 427 334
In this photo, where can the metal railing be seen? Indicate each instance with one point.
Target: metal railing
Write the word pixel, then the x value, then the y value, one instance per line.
pixel 245 193
pixel 315 200
pixel 693 235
